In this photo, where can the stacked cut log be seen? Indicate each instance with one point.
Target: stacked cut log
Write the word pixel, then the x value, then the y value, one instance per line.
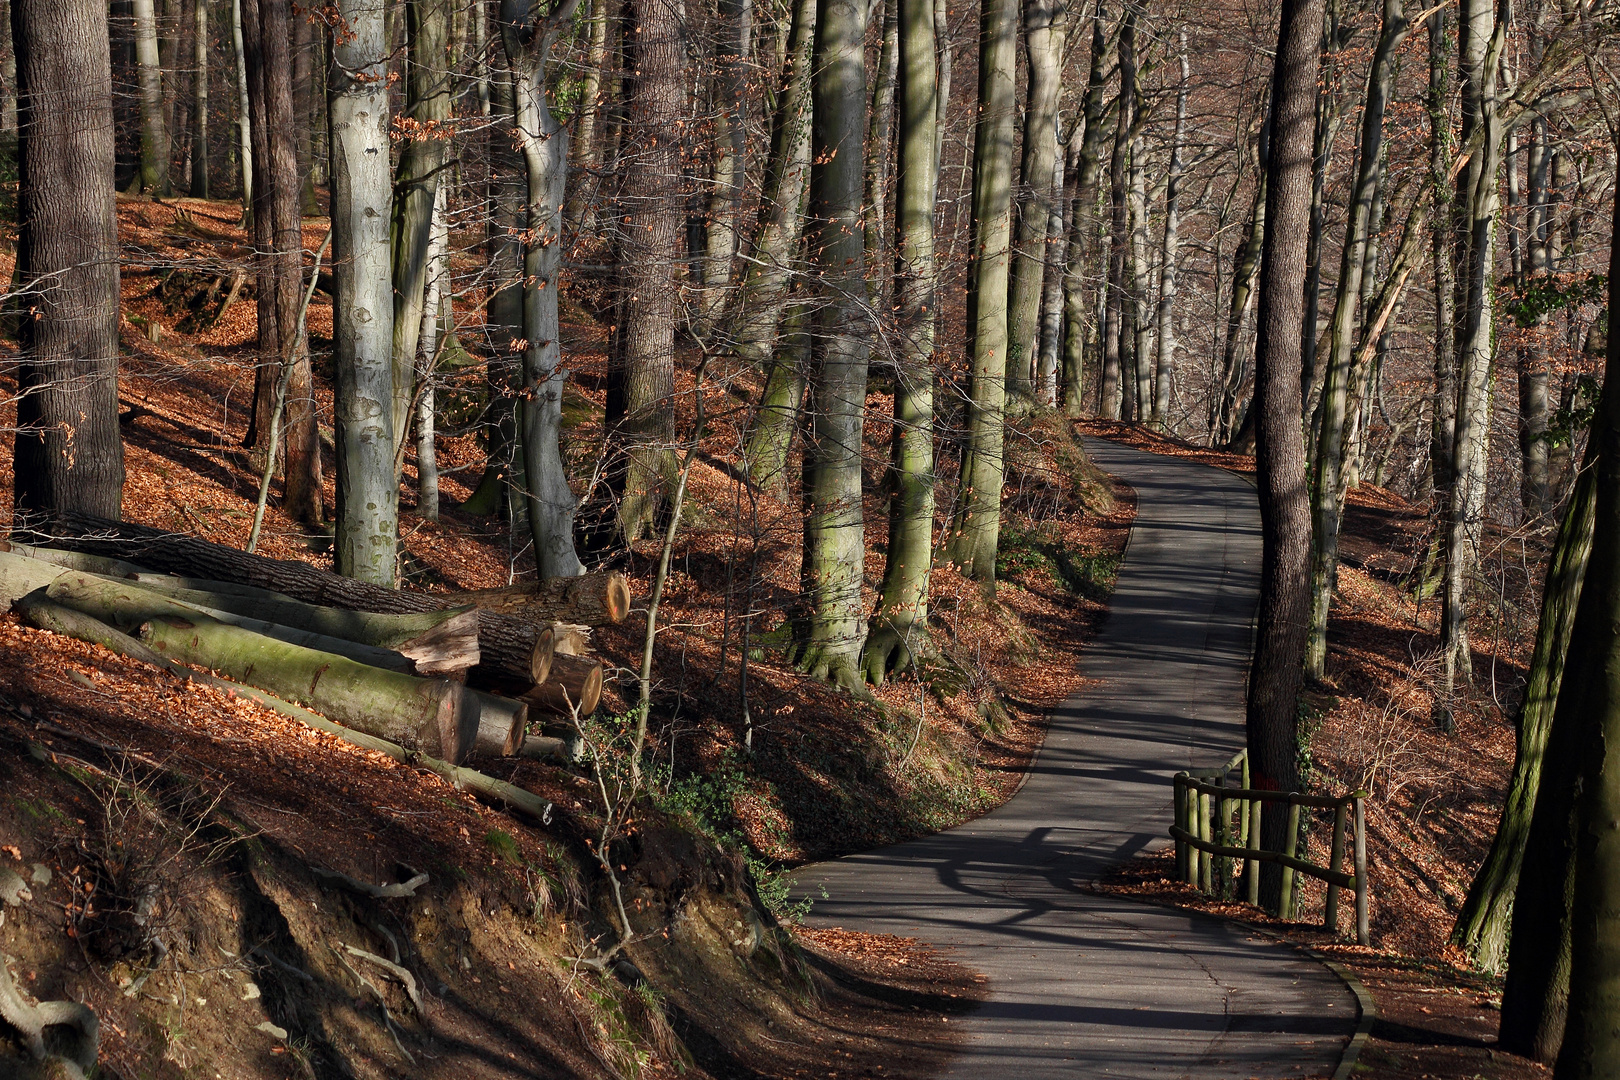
pixel 528 641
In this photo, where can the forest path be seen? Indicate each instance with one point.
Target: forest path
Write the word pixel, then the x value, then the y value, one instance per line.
pixel 1085 985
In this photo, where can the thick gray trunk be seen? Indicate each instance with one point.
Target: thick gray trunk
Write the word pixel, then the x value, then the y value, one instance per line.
pixel 363 309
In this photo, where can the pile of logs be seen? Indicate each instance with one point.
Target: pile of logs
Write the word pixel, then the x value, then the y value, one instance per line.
pixel 448 675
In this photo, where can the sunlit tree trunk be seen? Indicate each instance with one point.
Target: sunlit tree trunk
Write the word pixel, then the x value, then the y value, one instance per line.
pixel 1443 431
pixel 1275 676
pixel 977 524
pixel 68 454
pixel 735 27
pixel 367 532
pixel 528 39
pixel 1056 257
pixel 1113 373
pixel 244 113
pixel 1045 34
pixel 1083 219
pixel 878 142
pixel 1139 276
pixel 899 632
pixel 199 111
pixel 427 356
pixel 1245 266
pixel 153 177
pixel 1328 490
pixel 587 144
pixel 834 535
pixel 1167 275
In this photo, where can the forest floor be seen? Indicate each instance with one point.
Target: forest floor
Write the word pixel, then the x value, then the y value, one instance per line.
pixel 260 978
pixel 1434 800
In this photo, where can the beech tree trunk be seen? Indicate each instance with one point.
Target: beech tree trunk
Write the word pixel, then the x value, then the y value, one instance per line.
pixel 363 310
pixel 1045 36
pixel 1275 676
pixel 1113 390
pixel 244 111
pixel 735 27
pixel 153 177
pixel 899 632
pixel 977 524
pixel 1082 254
pixel 1245 266
pixel 1482 928
pixel 878 143
pixel 834 528
pixel 68 453
pixel 593 599
pixel 199 110
pixel 1443 430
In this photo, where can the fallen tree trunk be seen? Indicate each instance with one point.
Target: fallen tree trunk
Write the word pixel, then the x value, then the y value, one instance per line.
pixel 20 576
pixel 575 682
pixel 73 560
pixel 589 599
pixel 46 614
pixel 506 643
pixel 419 714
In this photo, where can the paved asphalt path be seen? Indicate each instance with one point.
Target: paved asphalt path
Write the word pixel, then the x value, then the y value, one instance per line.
pixel 1083 985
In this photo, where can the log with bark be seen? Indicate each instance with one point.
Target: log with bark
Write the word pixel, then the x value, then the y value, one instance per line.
pixel 595 599
pixel 430 715
pixel 506 643
pixel 575 682
pixel 20 575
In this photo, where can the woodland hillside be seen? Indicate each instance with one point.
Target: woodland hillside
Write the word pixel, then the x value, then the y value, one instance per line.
pixel 493 484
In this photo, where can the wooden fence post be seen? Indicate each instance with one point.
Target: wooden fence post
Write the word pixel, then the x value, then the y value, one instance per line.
pixel 1227 869
pixel 1330 910
pixel 1285 903
pixel 1363 929
pixel 1205 833
pixel 1179 804
pixel 1252 870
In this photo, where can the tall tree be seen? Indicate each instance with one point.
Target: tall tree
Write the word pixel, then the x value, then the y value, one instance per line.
pixel 977 522
pixel 68 455
pixel 834 527
pixel 528 38
pixel 199 110
pixel 651 213
pixel 244 110
pixel 1082 196
pixel 1275 675
pixel 153 176
pixel 735 27
pixel 899 633
pixel 1045 38
pixel 421 165
pixel 1480 46
pixel 1167 275
pixel 1329 487
pixel 278 239
pixel 363 309
pixel 1114 376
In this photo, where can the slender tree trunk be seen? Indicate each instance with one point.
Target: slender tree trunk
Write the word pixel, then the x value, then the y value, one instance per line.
pixel 1328 491
pixel 1141 285
pixel 899 632
pixel 8 80
pixel 1465 518
pixel 367 529
pixel 199 111
pixel 550 502
pixel 1083 219
pixel 1045 35
pixel 877 159
pixel 1113 392
pixel 978 512
pixel 68 454
pixel 1328 122
pixel 1591 1044
pixel 1054 259
pixel 834 545
pixel 652 213
pixel 244 111
pixel 1443 432
pixel 421 160
pixel 735 27
pixel 278 236
pixel 153 177
pixel 1482 928
pixel 587 144
pixel 942 32
pixel 305 55
pixel 1167 275
pixel 427 357
pixel 1244 268
pixel 1275 677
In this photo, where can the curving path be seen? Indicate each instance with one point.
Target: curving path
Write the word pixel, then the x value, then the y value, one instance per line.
pixel 1086 985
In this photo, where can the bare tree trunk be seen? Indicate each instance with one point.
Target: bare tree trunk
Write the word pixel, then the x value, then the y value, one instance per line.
pixel 899 633
pixel 8 79
pixel 587 145
pixel 834 528
pixel 1481 43
pixel 977 522
pixel 421 160
pixel 1328 491
pixel 1083 218
pixel 1054 259
pixel 153 177
pixel 1244 268
pixel 551 504
pixel 879 140
pixel 1167 277
pixel 735 27
pixel 244 111
pixel 1045 35
pixel 199 111
pixel 1113 373
pixel 367 531
pixel 68 454
pixel 1275 676
pixel 651 214
pixel 1141 320
pixel 278 236
pixel 427 362
pixel 1443 432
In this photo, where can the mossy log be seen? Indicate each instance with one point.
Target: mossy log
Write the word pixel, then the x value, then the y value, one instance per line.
pixel 419 714
pixel 575 682
pixel 20 575
pixel 589 599
pixel 506 643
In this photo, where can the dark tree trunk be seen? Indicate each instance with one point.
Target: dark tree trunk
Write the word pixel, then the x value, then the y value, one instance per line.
pixel 68 455
pixel 1276 677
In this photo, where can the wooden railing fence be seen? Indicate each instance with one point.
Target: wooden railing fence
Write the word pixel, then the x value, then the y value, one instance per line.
pixel 1209 844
